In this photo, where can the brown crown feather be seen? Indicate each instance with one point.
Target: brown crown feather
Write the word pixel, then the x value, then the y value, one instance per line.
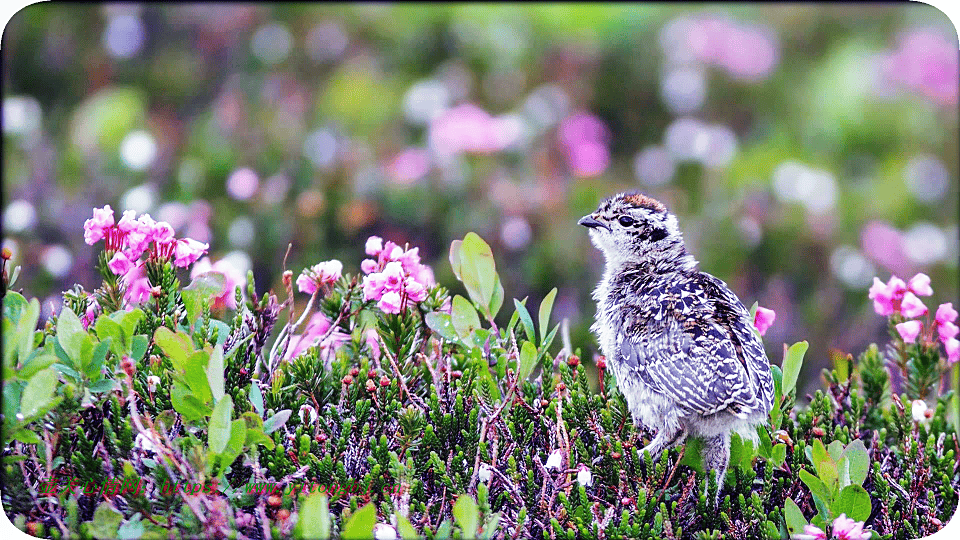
pixel 640 200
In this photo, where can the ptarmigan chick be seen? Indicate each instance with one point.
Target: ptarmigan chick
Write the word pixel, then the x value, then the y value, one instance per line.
pixel 678 340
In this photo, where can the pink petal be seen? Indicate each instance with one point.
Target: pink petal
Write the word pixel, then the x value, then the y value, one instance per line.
pixel 920 285
pixel 909 330
pixel 911 306
pixel 946 313
pixel 763 319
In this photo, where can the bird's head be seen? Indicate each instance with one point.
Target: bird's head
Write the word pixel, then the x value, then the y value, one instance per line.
pixel 631 228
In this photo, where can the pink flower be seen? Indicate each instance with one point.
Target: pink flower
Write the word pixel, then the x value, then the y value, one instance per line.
pixel 886 298
pixel 317 327
pixel 373 286
pixel 320 274
pixel 368 266
pixel 373 343
pixel 946 313
pixel 911 306
pixel 947 331
pixel 187 251
pixel 232 278
pixel 920 285
pixel 90 315
pixel 393 275
pixel 845 528
pixel 120 264
pixel 410 259
pixel 952 346
pixel 138 286
pixel 390 302
pixel 909 330
pixel 763 319
pixel 424 276
pixel 162 232
pixel 127 223
pixel 95 228
pixel 415 291
pixel 811 532
pixel 374 246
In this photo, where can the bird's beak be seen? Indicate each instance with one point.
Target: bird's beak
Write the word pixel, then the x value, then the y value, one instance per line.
pixel 589 221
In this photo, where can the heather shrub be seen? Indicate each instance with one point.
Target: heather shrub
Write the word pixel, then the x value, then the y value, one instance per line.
pixel 380 403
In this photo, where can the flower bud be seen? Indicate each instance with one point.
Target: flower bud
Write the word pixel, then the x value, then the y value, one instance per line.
pixel 817 431
pixel 274 500
pixel 283 514
pixel 347 379
pixel 372 374
pixel 371 386
pixel 128 366
pixel 354 372
pixel 561 387
pixel 573 361
pixel 6 254
pixel 384 381
pixel 615 455
pixel 602 363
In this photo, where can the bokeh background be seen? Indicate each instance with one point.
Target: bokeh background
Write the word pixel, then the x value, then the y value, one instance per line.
pixel 805 148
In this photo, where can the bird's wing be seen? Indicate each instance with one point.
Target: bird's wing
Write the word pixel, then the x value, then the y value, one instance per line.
pixel 735 318
pixel 694 366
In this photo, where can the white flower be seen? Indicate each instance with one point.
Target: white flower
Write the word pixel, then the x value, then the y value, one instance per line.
pixel 146 442
pixel 382 531
pixel 584 476
pixel 306 410
pixel 152 382
pixel 919 410
pixel 553 461
pixel 485 472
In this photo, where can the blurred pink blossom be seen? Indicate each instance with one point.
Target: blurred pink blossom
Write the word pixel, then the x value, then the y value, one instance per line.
pixel 374 246
pixel 316 328
pixel 409 166
pixel 368 265
pixel 468 128
pixel 584 139
pixel 120 264
pixel 947 330
pixel 887 297
pixel 845 528
pixel 763 319
pixel 909 330
pixel 232 279
pixel 373 343
pixel 746 52
pixel 911 306
pixel 925 62
pixel 395 270
pixel 952 347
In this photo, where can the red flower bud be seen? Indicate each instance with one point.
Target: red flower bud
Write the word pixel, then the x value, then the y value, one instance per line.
pixel 573 361
pixel 371 386
pixel 347 379
pixel 601 362
pixel 128 366
pixel 384 381
pixel 354 372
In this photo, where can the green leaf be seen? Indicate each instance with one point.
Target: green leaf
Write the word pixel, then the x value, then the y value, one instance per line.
pixel 107 328
pixel 219 430
pixel 203 287
pixel 138 347
pixel 778 454
pixel 256 397
pixel 238 436
pixel 25 327
pixel 825 465
pixel 178 346
pixel 214 373
pixel 254 432
pixel 858 462
pixel 794 517
pixel 27 437
pixel 105 522
pixel 817 487
pixel 195 375
pixel 442 324
pixel 525 318
pixel 71 335
pixel 405 528
pixel 545 308
pixel 496 301
pixel 455 263
pixel 314 521
pixel 478 269
pixel 101 386
pixel 361 523
pixel 854 501
pixel 38 393
pixel 93 369
pixel 128 320
pixel 466 512
pixel 14 305
pixel 835 449
pixel 464 317
pixel 39 359
pixel 792 362
pixel 276 421
pixel 186 403
pixel 528 360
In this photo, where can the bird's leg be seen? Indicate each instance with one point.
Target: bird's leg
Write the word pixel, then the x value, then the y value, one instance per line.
pixel 665 438
pixel 716 456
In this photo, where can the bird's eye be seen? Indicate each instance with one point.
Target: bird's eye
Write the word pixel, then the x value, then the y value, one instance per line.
pixel 626 221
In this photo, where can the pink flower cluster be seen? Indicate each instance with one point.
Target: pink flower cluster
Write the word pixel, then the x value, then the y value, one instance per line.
pixel 585 139
pixel 747 52
pixel 394 276
pixel 763 319
pixel 844 528
pixel 897 297
pixel 126 240
pixel 926 63
pixel 468 128
pixel 319 275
